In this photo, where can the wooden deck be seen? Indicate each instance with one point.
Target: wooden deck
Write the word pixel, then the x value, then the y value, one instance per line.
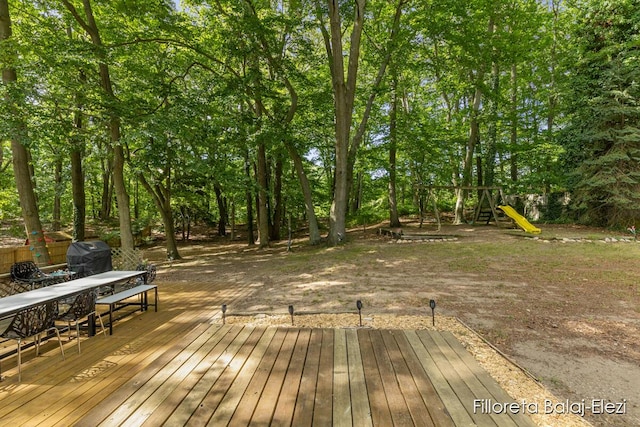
pixel 181 366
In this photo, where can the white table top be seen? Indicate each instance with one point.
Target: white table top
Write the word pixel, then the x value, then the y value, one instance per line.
pixel 14 303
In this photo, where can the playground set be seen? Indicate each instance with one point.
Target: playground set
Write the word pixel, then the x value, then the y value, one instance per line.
pixel 485 210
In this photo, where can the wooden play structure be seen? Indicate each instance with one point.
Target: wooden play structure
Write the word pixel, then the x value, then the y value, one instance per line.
pixel 484 211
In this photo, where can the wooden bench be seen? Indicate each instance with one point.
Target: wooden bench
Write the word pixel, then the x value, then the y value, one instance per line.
pixel 117 299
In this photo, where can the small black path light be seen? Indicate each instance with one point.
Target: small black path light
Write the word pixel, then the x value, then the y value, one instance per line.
pixel 291 313
pixel 359 305
pixel 224 311
pixel 432 304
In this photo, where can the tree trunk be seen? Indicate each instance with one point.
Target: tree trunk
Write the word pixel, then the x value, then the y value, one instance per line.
pixel 122 197
pixel 275 60
pixel 263 202
pixel 346 148
pixel 474 136
pixel 232 220
pixel 162 198
pixel 28 205
pixel 107 188
pixel 57 178
pixel 394 219
pixel 277 200
pixel 183 222
pixel 247 170
pixel 474 131
pixel 77 174
pixel 356 202
pixel 222 209
pixel 78 195
pixel 492 130
pixel 514 125
pixel 314 231
pixel 344 94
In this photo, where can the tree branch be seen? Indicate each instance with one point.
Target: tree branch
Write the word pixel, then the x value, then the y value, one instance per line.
pixel 357 139
pixel 277 66
pixel 326 37
pixel 179 43
pixel 74 12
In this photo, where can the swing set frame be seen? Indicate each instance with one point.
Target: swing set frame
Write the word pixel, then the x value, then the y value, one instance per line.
pixel 485 194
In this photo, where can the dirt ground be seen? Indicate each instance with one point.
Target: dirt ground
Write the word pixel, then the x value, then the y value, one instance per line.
pixel 563 306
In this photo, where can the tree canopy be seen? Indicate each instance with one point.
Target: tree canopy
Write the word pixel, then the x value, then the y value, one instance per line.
pixel 317 112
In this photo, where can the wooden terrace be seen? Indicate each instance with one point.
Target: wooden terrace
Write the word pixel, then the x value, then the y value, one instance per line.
pixel 182 366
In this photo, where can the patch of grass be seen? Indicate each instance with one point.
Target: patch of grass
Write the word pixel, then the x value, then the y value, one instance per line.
pixel 556 382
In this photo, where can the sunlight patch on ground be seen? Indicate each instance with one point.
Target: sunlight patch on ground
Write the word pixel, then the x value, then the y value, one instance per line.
pixel 582 328
pixel 323 284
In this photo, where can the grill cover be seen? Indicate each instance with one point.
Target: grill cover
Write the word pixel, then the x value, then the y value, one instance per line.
pixel 88 258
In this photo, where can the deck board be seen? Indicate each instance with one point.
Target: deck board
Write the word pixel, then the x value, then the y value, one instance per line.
pixel 182 366
pixel 323 405
pixel 188 384
pixel 243 407
pixel 380 413
pixel 395 400
pixel 193 398
pixel 459 383
pixel 341 394
pixel 303 412
pixel 275 382
pixel 360 409
pixel 438 413
pixel 405 378
pixel 283 414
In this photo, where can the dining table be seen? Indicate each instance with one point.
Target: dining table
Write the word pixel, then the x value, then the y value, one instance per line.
pixel 13 304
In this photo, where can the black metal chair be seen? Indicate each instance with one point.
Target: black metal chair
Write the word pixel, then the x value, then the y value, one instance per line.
pixel 27 273
pixel 151 272
pixel 80 307
pixel 149 277
pixel 32 322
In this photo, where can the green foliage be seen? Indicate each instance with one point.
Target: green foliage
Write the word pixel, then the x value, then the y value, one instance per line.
pixel 603 141
pixel 198 88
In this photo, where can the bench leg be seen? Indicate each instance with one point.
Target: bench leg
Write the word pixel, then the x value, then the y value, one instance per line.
pixel 91 324
pixel 111 319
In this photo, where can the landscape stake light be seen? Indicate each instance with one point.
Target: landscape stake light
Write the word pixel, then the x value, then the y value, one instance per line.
pixel 224 310
pixel 291 313
pixel 359 305
pixel 432 304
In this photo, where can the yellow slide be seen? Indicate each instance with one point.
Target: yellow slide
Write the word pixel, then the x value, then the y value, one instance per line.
pixel 519 219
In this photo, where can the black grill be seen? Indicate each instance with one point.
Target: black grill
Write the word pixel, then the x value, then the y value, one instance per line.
pixel 88 258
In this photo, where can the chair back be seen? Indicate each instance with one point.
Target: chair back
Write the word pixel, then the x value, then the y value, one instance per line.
pixel 151 272
pixel 31 321
pixel 24 271
pixel 81 306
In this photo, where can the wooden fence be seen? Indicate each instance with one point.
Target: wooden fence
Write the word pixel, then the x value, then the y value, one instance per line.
pixel 10 255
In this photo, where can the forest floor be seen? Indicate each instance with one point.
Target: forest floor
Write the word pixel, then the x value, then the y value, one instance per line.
pixel 554 316
pixel 564 305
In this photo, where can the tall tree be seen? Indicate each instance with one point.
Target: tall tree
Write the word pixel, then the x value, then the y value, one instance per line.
pixel 21 167
pixel 89 25
pixel 603 140
pixel 394 218
pixel 161 190
pixel 344 84
pixel 77 171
